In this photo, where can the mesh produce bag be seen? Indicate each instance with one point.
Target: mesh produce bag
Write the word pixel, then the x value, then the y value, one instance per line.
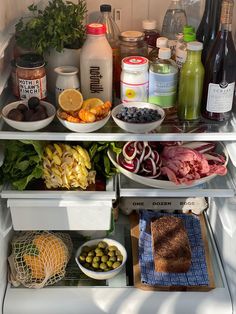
pixel 39 259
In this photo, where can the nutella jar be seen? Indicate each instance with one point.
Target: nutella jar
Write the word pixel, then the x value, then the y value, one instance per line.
pixel 31 76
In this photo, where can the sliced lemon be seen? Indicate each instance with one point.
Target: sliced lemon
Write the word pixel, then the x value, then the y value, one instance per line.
pixel 70 100
pixel 91 103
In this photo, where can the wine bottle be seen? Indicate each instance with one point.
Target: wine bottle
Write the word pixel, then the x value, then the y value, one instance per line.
pixel 209 26
pixel 220 69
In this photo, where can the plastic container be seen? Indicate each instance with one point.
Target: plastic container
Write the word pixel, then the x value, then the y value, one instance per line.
pixel 163 76
pixel 31 76
pixel 134 79
pixel 174 20
pixel 191 84
pixel 112 34
pixel 150 32
pixel 161 42
pixel 96 64
pixel 181 51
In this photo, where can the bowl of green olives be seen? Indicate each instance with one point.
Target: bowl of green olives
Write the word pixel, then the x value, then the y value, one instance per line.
pixel 29 115
pixel 101 258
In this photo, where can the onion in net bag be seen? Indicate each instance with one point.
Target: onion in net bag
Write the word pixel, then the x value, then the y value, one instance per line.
pixel 39 259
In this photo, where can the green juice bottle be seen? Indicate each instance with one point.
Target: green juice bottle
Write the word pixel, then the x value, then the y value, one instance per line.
pixel 191 84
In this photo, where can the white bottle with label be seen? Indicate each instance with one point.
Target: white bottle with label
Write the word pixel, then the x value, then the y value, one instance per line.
pixel 96 64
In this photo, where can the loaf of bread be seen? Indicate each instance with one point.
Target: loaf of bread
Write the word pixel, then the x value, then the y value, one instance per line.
pixel 170 244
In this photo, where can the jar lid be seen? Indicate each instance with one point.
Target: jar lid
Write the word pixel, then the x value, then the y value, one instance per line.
pixel 162 42
pixel 164 53
pixel 131 36
pixel 189 37
pixel 135 63
pixel 195 46
pixel 105 8
pixel 149 24
pixel 95 29
pixel 30 60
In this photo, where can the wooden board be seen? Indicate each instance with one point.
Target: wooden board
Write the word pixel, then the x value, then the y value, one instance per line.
pixel 134 221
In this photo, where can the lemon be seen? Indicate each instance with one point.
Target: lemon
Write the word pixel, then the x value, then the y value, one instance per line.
pixel 70 100
pixel 91 103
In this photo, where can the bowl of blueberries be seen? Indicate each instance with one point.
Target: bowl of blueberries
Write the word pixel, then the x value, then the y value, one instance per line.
pixel 138 117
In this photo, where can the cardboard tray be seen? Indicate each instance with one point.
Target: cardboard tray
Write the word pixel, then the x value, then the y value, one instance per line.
pixel 134 222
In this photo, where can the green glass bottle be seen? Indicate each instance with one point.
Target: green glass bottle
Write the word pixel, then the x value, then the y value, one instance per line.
pixel 191 84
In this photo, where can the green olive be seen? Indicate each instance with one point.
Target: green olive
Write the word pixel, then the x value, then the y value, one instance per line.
pixel 96 259
pixel 116 264
pixel 89 259
pixel 112 248
pixel 109 264
pixel 82 258
pixel 95 265
pixel 104 258
pixel 86 265
pixel 103 266
pixel 99 253
pixel 118 252
pixel 119 258
pixel 112 259
pixel 91 253
pixel 111 253
pixel 85 249
pixel 102 245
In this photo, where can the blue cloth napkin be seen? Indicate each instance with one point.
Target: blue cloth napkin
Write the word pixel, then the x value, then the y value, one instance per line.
pixel 197 274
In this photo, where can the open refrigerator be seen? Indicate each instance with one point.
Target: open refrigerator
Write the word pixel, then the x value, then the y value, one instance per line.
pixel 57 210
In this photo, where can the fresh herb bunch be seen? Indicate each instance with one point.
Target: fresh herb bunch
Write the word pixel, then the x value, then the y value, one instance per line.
pixel 99 159
pixel 60 25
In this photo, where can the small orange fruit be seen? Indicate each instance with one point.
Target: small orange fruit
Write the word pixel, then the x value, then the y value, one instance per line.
pixel 70 100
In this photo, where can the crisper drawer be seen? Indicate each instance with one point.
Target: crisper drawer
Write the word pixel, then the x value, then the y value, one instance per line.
pixel 60 210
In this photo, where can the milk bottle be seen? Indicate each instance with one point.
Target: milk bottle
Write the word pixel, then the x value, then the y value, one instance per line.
pixel 96 64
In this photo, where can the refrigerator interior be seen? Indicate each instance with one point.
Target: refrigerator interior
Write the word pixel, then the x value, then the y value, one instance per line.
pixel 118 295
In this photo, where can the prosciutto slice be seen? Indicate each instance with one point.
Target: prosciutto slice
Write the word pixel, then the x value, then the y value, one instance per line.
pixel 183 165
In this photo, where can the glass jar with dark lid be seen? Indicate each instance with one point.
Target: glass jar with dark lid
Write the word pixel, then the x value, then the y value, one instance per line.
pixel 132 44
pixel 31 76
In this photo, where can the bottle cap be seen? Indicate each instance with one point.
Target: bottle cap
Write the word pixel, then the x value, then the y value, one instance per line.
pixel 162 42
pixel 189 37
pixel 164 53
pixel 149 24
pixel 105 8
pixel 195 46
pixel 135 63
pixel 188 29
pixel 30 60
pixel 96 29
pixel 131 36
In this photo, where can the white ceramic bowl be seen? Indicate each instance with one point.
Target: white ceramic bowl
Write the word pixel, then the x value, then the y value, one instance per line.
pixel 28 125
pixel 138 127
pixel 84 127
pixel 102 275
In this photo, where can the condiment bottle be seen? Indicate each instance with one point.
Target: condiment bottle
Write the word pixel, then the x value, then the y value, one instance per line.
pixel 163 76
pixel 112 34
pixel 96 64
pixel 191 83
pixel 31 76
pixel 219 84
pixel 134 79
pixel 181 51
pixel 161 42
pixel 150 32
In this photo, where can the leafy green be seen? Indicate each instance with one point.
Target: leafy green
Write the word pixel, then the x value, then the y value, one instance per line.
pixel 100 161
pixel 22 163
pixel 59 25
